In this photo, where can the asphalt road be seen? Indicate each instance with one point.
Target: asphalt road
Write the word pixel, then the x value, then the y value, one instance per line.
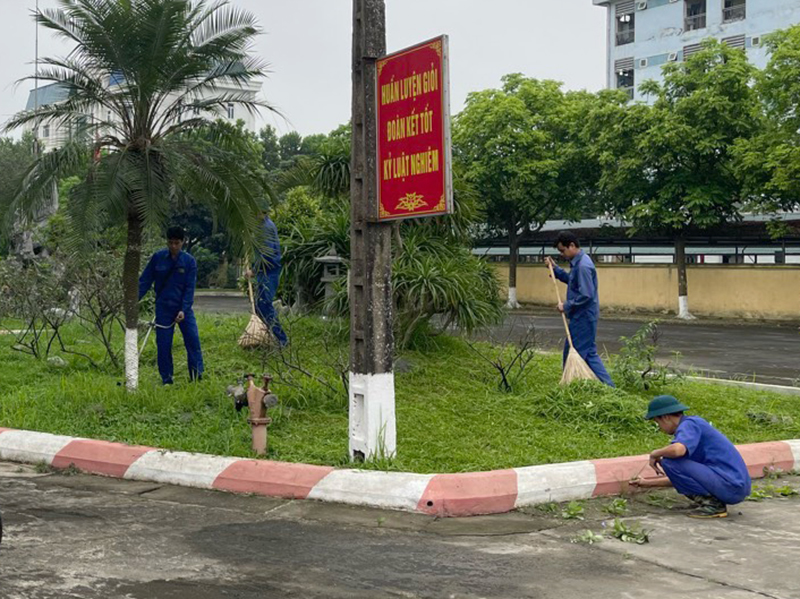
pixel 98 538
pixel 765 353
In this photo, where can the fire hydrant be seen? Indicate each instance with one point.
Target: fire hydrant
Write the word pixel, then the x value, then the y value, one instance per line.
pixel 257 400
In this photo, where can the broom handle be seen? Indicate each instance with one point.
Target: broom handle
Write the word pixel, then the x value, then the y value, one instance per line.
pixel 250 289
pixel 558 295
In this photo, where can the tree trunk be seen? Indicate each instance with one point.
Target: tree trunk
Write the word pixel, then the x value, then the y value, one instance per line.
pixel 683 284
pixel 513 256
pixel 130 289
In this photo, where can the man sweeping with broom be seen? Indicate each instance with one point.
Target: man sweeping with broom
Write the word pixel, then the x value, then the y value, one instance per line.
pixel 582 306
pixel 267 272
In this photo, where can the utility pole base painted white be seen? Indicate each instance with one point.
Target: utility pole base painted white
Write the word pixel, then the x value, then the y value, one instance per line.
pixel 512 303
pixel 683 308
pixel 131 359
pixel 373 433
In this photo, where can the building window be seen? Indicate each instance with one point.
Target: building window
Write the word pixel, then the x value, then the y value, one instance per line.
pixel 230 111
pixel 695 15
pixel 46 131
pixel 625 81
pixel 626 23
pixel 734 10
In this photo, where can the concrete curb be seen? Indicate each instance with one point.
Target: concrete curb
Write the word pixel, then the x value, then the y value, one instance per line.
pixel 784 389
pixel 443 495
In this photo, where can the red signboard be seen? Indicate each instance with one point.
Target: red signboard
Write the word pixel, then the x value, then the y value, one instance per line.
pixel 414 156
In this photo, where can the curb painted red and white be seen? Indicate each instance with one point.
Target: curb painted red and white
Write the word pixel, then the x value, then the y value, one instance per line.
pixel 466 494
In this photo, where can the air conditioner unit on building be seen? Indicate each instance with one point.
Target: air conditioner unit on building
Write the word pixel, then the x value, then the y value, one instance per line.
pixel 641 5
pixel 672 57
pixel 643 63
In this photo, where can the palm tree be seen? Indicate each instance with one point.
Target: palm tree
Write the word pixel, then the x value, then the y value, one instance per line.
pixel 144 84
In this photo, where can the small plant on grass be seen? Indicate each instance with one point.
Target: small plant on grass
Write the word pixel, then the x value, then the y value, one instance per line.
pixel 588 537
pixel 510 358
pixel 574 510
pixel 633 533
pixel 636 367
pixel 617 507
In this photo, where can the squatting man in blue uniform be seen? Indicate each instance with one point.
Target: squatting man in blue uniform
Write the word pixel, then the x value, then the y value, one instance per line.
pixel 701 463
pixel 582 307
pixel 174 273
pixel 267 271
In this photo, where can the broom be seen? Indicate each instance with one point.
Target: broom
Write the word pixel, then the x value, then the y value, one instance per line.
pixel 256 334
pixel 575 368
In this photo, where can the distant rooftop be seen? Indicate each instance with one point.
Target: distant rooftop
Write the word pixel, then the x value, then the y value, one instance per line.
pixel 52 93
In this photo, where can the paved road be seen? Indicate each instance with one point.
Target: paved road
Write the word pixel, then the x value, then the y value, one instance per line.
pixel 96 538
pixel 765 353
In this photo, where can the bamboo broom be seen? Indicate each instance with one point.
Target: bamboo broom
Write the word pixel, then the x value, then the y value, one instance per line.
pixel 256 334
pixel 575 368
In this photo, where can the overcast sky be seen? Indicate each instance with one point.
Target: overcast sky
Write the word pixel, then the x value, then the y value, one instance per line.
pixel 307 43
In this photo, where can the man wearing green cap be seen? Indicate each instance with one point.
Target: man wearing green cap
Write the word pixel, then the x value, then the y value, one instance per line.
pixel 700 463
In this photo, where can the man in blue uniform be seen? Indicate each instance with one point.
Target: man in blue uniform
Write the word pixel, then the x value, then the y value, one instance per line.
pixel 267 271
pixel 701 463
pixel 582 307
pixel 174 273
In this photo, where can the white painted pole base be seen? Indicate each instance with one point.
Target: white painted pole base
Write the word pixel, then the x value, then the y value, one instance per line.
pixel 683 308
pixel 373 433
pixel 512 303
pixel 131 359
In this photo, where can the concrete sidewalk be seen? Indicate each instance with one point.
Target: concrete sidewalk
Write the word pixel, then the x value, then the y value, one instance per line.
pixel 89 537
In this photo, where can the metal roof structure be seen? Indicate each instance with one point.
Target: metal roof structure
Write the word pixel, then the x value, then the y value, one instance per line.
pixel 47 94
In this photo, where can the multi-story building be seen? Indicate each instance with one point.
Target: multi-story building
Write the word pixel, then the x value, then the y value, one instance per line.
pixel 643 35
pixel 53 135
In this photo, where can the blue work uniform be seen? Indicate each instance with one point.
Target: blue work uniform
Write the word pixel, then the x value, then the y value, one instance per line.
pixel 268 275
pixel 582 308
pixel 175 280
pixel 712 464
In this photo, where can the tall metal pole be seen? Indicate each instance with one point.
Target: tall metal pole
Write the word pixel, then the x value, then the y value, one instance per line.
pixel 36 86
pixel 372 412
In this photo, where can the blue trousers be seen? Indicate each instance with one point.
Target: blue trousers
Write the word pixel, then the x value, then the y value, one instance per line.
pixel 693 478
pixel 584 335
pixel 165 316
pixel 267 288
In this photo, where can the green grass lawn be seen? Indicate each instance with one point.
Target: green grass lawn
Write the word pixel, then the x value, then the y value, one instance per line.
pixel 451 415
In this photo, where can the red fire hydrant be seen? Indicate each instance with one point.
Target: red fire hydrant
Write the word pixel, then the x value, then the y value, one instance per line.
pixel 258 400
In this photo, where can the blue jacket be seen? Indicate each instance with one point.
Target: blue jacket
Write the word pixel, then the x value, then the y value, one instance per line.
pixel 270 250
pixel 582 300
pixel 174 280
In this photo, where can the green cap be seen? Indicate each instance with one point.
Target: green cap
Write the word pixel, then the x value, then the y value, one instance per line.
pixel 664 404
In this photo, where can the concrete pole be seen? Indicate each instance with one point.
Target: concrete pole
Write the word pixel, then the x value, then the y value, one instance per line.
pixel 372 413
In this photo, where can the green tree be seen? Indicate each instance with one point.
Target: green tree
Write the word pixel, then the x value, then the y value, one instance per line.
pixel 669 168
pixel 520 148
pixel 271 150
pixel 290 145
pixel 15 157
pixel 156 68
pixel 768 164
